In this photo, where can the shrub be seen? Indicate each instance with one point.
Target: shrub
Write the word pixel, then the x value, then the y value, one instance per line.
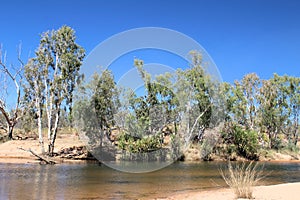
pixel 292 147
pixel 134 144
pixel 277 143
pixel 242 177
pixel 246 142
pixel 243 142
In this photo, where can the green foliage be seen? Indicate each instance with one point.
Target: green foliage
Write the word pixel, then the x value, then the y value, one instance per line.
pixel 244 142
pixel 156 108
pixel 269 107
pixel 279 108
pixel 277 143
pixel 242 101
pixel 201 88
pixel 51 77
pixel 138 145
pixel 291 147
pixel 105 98
pixel 95 107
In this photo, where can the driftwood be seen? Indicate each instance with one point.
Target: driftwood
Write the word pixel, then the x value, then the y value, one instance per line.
pixel 47 161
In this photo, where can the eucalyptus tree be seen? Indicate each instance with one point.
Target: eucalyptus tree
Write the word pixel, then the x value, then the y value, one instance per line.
pixel 241 126
pixel 58 58
pixel 200 95
pixel 273 108
pixel 245 105
pixel 34 93
pixel 286 108
pixel 293 90
pixel 228 97
pixel 157 108
pixel 105 100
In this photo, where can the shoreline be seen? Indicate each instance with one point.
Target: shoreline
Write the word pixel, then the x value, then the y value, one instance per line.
pixel 285 191
pixel 30 159
pixel 10 152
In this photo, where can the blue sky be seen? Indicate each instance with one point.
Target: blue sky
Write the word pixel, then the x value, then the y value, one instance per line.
pixel 241 36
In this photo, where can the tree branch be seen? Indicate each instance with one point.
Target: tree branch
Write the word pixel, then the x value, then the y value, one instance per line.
pixel 196 121
pixel 11 119
pixel 49 162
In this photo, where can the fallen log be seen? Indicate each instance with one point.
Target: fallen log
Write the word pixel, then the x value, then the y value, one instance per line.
pixel 47 161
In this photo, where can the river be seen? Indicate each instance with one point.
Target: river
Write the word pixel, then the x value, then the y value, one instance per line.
pixel 93 181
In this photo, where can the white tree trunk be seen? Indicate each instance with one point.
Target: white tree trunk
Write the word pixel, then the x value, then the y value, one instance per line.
pixel 48 109
pixel 40 128
pixel 54 132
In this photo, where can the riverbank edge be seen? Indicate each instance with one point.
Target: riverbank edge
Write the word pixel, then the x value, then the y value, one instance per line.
pixel 285 191
pixel 33 160
pixel 71 150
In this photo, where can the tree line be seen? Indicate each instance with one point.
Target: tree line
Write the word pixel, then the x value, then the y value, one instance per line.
pixel 249 115
pixel 252 113
pixel 262 113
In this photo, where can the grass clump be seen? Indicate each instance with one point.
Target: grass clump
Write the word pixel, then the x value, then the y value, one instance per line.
pixel 242 177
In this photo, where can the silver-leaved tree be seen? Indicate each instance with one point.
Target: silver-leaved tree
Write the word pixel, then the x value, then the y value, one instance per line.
pixel 52 76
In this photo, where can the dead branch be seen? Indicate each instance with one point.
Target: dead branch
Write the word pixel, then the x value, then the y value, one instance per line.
pixel 47 161
pixel 13 118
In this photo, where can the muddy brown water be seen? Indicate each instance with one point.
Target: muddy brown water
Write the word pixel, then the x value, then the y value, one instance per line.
pixel 91 181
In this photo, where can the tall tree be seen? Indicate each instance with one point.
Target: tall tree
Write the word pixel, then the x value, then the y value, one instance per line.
pixel 201 95
pixel 105 101
pixel 156 109
pixel 245 101
pixel 35 93
pixel 293 90
pixel 60 58
pixel 273 108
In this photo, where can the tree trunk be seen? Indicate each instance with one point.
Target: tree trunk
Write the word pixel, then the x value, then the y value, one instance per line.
pixel 10 131
pixel 40 130
pixel 9 121
pixel 296 139
pixel 49 118
pixel 296 134
pixel 53 135
pixel 270 139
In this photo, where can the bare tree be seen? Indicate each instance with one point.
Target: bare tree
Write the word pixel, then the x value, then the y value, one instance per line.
pixel 11 116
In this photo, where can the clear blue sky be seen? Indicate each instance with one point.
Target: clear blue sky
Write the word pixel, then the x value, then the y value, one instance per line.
pixel 241 36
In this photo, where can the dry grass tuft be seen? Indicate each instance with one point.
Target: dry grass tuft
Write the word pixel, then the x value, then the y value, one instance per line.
pixel 242 177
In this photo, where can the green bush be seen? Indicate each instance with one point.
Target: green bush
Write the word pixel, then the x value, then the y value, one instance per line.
pixel 292 147
pixel 135 145
pixel 246 142
pixel 277 143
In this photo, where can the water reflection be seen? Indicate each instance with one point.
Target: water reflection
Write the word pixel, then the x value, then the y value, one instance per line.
pixel 90 181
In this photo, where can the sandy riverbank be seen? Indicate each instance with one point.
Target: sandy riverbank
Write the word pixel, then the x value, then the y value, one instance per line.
pixel 10 151
pixel 289 191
